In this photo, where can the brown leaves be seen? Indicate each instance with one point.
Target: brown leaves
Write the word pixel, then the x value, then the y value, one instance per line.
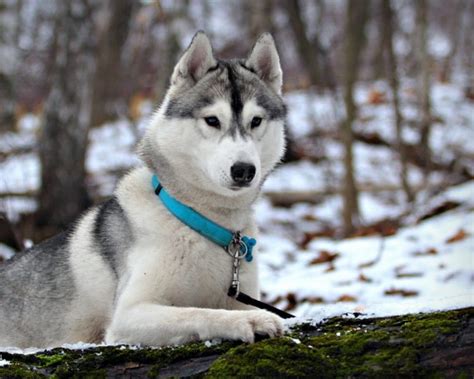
pixel 293 301
pixel 385 228
pixel 363 278
pixel 309 236
pixel 459 236
pixel 401 273
pixel 376 97
pixel 291 298
pixel 324 257
pixel 430 251
pixel 346 298
pixel 402 292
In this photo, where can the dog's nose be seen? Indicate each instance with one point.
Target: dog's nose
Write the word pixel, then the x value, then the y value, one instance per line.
pixel 242 173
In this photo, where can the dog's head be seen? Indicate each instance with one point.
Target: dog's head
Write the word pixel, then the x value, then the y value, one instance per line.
pixel 221 125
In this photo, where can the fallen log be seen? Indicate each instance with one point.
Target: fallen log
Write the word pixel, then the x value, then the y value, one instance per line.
pixel 424 345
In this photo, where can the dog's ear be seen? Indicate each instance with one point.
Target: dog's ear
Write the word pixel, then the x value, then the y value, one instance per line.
pixel 264 60
pixel 195 61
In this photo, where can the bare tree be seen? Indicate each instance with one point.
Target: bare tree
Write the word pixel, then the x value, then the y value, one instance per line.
pixel 260 14
pixel 392 74
pixel 172 18
pixel 455 34
pixel 63 142
pixel 425 84
pixel 304 45
pixel 116 17
pixel 356 18
pixel 378 59
pixel 7 64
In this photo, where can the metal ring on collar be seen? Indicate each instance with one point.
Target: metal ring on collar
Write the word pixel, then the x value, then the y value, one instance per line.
pixel 241 248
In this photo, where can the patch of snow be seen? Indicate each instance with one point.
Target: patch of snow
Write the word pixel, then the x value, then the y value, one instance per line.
pixel 35 350
pixel 20 173
pixel 29 123
pixel 111 146
pixel 418 268
pixel 81 345
pixel 6 252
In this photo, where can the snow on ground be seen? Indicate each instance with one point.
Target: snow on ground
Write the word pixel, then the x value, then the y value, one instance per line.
pixel 425 266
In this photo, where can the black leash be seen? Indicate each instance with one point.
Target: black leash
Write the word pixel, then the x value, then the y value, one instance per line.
pixel 237 250
pixel 246 299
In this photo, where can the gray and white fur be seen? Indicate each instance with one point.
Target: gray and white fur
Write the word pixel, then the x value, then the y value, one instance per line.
pixel 129 271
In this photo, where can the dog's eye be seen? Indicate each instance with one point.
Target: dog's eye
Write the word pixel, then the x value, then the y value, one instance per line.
pixel 213 121
pixel 256 121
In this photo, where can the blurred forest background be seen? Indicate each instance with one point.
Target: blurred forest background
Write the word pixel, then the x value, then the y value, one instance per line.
pixel 380 95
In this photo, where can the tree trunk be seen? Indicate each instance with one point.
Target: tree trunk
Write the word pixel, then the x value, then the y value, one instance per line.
pixel 112 37
pixel 171 49
pixel 7 67
pixel 305 48
pixel 387 16
pixel 260 15
pixel 170 53
pixel 63 142
pixel 357 14
pixel 456 30
pixel 384 38
pixel 424 345
pixel 425 78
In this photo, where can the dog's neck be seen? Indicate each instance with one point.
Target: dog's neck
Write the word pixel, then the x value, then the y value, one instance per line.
pixel 233 213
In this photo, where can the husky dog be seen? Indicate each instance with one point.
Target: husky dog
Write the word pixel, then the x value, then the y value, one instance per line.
pixel 129 271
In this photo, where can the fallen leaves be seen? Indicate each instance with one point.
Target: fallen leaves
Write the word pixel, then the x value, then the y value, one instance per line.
pixel 376 97
pixel 292 300
pixel 459 236
pixel 346 298
pixel 401 275
pixel 363 278
pixel 428 252
pixel 325 256
pixel 402 292
pixel 309 236
pixel 387 227
pixel 400 272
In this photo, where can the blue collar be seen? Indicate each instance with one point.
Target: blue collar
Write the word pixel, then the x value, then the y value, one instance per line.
pixel 209 229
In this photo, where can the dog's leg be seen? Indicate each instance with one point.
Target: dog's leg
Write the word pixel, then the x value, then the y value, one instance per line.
pixel 154 324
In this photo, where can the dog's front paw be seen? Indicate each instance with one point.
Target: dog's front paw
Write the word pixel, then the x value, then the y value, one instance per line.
pixel 248 323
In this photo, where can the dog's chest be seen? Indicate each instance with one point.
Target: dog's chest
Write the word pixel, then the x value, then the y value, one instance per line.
pixel 186 269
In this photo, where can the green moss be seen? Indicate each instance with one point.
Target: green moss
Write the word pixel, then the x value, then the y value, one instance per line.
pixel 17 370
pixel 344 348
pixel 94 363
pixel 423 331
pixel 271 358
pixel 334 349
pixel 50 360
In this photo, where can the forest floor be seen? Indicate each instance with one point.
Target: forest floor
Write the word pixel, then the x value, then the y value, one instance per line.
pixel 403 258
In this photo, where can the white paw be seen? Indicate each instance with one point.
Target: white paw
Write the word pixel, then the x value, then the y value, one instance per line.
pixel 246 323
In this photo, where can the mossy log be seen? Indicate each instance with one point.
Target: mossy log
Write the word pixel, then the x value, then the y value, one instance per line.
pixel 423 345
